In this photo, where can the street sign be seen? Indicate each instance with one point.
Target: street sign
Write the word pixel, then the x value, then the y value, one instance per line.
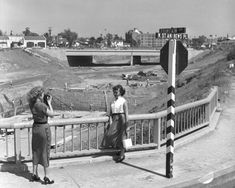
pixel 164 57
pixel 173 30
pixel 181 57
pixel 170 35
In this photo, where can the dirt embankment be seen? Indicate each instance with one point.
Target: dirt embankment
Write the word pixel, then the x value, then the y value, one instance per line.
pixel 204 70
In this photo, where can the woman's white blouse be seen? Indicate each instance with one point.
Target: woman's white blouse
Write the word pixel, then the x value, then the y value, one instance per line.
pixel 117 105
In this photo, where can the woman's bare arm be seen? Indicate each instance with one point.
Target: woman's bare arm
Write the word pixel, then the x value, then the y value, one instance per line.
pixel 125 108
pixel 50 111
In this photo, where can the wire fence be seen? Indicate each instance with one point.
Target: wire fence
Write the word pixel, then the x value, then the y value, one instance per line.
pixel 75 99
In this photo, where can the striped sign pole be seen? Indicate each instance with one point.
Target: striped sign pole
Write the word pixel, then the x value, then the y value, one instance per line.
pixel 170 108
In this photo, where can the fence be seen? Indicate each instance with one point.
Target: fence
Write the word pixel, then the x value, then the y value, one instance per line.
pixel 90 99
pixel 83 136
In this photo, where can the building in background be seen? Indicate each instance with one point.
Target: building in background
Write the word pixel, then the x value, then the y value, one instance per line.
pixel 15 41
pixel 133 37
pixel 226 43
pixel 12 41
pixel 4 42
pixel 149 40
pixel 157 40
pixel 34 41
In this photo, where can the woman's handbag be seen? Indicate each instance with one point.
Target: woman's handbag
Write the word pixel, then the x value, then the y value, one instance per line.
pixel 127 143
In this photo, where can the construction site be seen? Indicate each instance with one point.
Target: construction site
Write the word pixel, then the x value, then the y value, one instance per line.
pixel 83 90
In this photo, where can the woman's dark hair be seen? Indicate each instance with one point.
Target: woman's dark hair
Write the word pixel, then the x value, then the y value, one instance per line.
pixel 33 94
pixel 120 88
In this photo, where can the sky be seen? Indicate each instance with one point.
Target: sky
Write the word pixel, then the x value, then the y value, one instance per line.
pixel 95 17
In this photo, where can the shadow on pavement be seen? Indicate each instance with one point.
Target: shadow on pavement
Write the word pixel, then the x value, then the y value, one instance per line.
pixel 144 169
pixel 16 169
pixel 106 153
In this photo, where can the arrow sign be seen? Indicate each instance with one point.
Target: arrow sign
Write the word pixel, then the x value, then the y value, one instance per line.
pixel 181 57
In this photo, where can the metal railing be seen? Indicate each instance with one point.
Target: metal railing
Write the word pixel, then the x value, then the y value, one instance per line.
pixel 83 136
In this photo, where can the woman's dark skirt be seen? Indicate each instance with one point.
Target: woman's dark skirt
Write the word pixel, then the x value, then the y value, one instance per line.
pixel 41 144
pixel 115 132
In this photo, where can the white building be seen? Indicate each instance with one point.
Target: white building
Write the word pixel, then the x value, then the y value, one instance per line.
pixel 15 41
pixel 22 41
pixel 4 42
pixel 34 41
pixel 117 44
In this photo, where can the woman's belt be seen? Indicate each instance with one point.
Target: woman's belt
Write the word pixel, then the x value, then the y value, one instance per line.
pixel 35 122
pixel 113 114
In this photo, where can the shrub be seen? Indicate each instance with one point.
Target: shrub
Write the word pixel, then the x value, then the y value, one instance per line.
pixel 231 54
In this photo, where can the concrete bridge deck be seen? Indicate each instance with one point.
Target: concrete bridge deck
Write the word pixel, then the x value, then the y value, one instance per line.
pixel 206 159
pixel 93 52
pixel 85 57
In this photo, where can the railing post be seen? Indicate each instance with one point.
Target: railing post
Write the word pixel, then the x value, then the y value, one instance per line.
pixel 156 132
pixel 132 59
pixel 6 143
pixel 217 97
pixel 17 146
pixel 66 86
pixel 207 106
pixel 106 101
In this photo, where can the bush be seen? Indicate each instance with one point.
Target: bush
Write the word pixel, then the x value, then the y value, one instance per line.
pixel 231 54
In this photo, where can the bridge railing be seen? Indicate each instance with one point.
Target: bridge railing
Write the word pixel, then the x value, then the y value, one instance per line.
pixel 83 136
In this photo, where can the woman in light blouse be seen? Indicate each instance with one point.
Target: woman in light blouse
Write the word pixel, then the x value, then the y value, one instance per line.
pixel 118 121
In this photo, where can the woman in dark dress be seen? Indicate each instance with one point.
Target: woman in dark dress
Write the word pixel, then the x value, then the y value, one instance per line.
pixel 118 120
pixel 41 133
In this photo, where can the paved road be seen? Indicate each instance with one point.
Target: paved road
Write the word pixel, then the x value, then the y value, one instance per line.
pixel 199 163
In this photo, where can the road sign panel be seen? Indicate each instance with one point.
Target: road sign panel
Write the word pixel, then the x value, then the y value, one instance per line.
pixel 181 30
pixel 181 57
pixel 164 57
pixel 170 35
pixel 173 30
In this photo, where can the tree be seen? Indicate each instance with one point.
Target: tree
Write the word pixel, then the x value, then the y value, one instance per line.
pixel 117 38
pixel 1 33
pixel 69 35
pixel 198 42
pixel 202 39
pixel 99 39
pixel 92 41
pixel 27 32
pixel 231 54
pixel 48 37
pixel 109 38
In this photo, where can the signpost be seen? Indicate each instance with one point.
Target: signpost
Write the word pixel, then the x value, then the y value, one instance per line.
pixel 173 59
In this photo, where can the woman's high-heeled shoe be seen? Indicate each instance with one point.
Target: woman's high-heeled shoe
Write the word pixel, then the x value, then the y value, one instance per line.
pixel 118 153
pixel 48 181
pixel 35 178
pixel 121 158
